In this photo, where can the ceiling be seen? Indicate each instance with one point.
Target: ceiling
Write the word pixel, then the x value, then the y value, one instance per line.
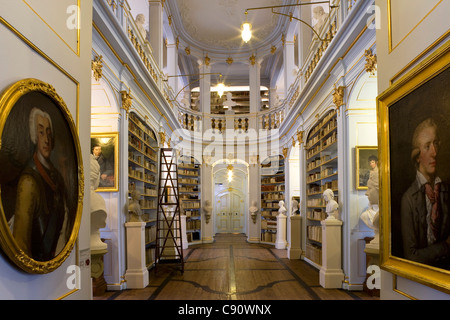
pixel 212 28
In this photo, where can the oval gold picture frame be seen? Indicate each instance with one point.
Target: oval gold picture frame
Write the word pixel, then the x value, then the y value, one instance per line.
pixel 16 150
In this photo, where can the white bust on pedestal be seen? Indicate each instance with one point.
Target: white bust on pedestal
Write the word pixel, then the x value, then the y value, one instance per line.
pixel 282 210
pixel 332 206
pixel 98 208
pixel 331 274
pixel 295 209
pixel 281 226
pixel 134 208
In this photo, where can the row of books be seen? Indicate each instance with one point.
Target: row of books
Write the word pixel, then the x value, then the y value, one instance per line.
pixel 268 237
pixel 314 233
pixel 277 188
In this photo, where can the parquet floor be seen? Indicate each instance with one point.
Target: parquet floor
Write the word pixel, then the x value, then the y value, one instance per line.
pixel 233 269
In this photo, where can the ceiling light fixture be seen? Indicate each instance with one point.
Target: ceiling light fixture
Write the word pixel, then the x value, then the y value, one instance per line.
pixel 220 88
pixel 290 15
pixel 246 29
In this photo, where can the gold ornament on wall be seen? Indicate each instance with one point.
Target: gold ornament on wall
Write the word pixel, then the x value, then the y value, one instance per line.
pixel 338 96
pixel 126 101
pixel 187 50
pixel 285 152
pixel 273 49
pixel 300 137
pixel 97 66
pixel 162 138
pixel 371 62
pixel 230 60
pixel 253 59
pixel 207 60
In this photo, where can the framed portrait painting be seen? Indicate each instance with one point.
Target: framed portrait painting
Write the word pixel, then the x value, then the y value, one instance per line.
pixel 366 161
pixel 414 142
pixel 41 180
pixel 105 149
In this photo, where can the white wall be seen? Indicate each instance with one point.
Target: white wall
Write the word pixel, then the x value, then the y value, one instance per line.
pixel 41 44
pixel 415 26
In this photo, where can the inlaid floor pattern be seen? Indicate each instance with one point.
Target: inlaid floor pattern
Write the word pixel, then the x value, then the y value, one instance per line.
pixel 233 269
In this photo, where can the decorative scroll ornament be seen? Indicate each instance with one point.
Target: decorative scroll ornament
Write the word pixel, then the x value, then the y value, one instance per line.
pixel 285 152
pixel 97 66
pixel 253 59
pixel 300 137
pixel 273 49
pixel 126 101
pixel 371 62
pixel 207 60
pixel 162 138
pixel 338 96
pixel 230 60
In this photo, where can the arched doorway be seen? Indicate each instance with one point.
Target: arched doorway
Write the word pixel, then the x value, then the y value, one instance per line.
pixel 231 198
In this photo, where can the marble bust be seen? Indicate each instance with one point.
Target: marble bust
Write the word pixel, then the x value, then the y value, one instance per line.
pixel 332 206
pixel 282 210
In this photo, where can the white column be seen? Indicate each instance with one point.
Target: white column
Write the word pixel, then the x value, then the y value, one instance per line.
pixel 331 274
pixel 205 88
pixel 288 59
pixel 273 97
pixel 207 193
pixel 255 87
pixel 183 232
pixel 254 182
pixel 172 64
pixel 156 30
pixel 137 273
pixel 281 232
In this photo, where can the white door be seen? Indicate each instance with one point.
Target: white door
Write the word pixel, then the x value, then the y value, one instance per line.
pixel 230 213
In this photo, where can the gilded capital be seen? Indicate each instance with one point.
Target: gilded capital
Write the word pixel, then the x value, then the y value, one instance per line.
pixel 97 66
pixel 338 96
pixel 126 101
pixel 371 62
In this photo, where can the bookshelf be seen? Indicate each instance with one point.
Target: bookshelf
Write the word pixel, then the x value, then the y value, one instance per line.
pixel 272 191
pixel 321 172
pixel 142 174
pixel 190 197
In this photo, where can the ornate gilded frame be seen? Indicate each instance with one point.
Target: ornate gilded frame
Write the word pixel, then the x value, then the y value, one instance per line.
pixel 359 160
pixel 106 138
pixel 16 254
pixel 412 82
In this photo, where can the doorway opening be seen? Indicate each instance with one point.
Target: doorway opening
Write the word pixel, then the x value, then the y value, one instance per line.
pixel 230 198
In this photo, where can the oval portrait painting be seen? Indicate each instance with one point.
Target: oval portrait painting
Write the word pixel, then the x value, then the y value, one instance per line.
pixel 41 180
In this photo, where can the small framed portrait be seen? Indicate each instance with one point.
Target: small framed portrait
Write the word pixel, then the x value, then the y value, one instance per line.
pixel 366 162
pixel 41 180
pixel 414 142
pixel 105 149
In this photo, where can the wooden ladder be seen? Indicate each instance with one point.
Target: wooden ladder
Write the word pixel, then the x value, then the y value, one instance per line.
pixel 169 240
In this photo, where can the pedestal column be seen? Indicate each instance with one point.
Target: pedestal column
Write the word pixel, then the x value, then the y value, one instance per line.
pixel 281 232
pixel 137 273
pixel 331 274
pixel 295 248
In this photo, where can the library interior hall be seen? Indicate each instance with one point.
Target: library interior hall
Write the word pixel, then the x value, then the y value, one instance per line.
pixel 269 150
